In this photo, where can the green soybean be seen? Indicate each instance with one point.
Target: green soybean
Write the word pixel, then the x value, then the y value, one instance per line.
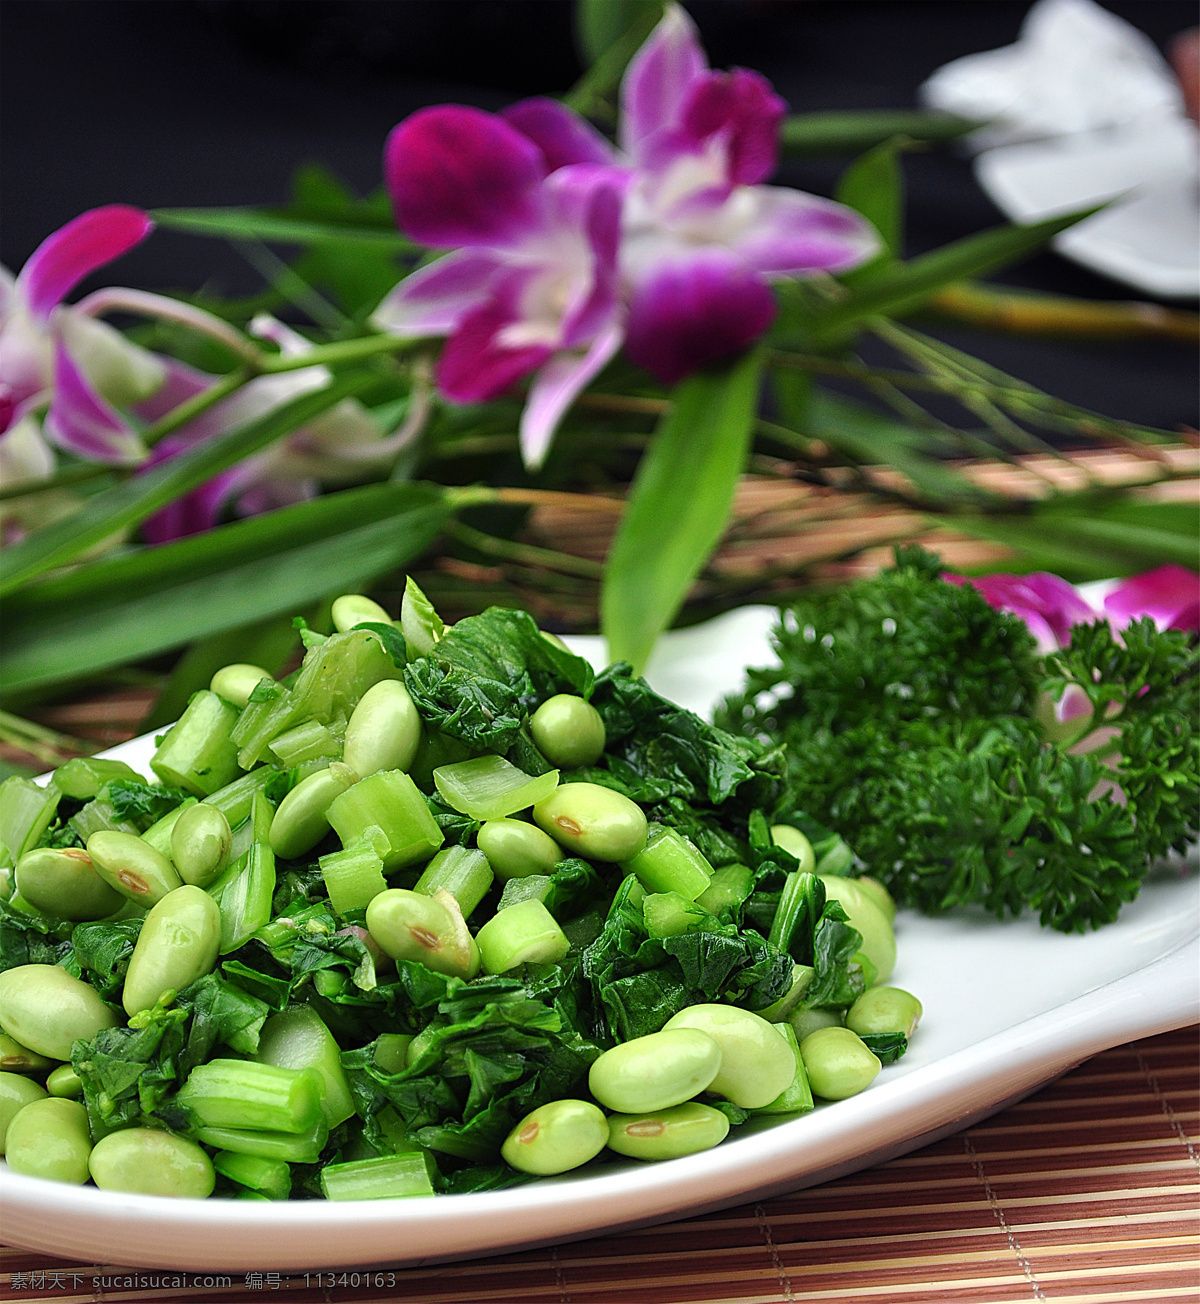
pixel 879 939
pixel 594 822
pixel 46 1009
pixel 49 1138
pixel 667 1133
pixel 839 1064
pixel 356 609
pixel 556 1137
pixel 15 1058
pixel 179 942
pixel 200 842
pixel 125 862
pixel 568 731
pixel 515 849
pixel 16 1091
pixel 236 682
pixel 795 844
pixel 65 1082
pixel 884 1009
pixel 63 882
pixel 301 821
pixel 147 1161
pixel 429 929
pixel 757 1064
pixel 880 895
pixel 384 730
pixel 656 1071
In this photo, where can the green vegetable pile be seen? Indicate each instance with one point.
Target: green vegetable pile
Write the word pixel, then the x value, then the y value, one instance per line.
pixel 401 923
pixel 920 723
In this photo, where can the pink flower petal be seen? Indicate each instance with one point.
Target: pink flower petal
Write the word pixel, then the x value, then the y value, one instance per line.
pixel 587 198
pixel 696 310
pixel 434 300
pixel 475 366
pixel 1047 604
pixel 459 176
pixel 1170 595
pixel 63 259
pixel 745 112
pixel 657 81
pixel 562 135
pixel 554 389
pixel 194 513
pixel 81 421
pixel 787 233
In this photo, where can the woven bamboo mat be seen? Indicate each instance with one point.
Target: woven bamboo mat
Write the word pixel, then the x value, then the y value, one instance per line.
pixel 1086 1193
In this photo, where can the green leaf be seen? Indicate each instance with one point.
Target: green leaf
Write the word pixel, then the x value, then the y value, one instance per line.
pixel 837 132
pixel 600 24
pixel 259 224
pixel 905 286
pixel 270 567
pixel 873 185
pixel 591 92
pixel 140 496
pixel 678 506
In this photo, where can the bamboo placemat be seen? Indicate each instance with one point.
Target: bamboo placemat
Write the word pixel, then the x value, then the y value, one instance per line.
pixel 1086 1193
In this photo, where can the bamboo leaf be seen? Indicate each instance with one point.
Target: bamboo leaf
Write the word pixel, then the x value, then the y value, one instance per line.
pixel 678 506
pixel 133 500
pixel 45 645
pixel 837 132
pixel 258 224
pixel 901 288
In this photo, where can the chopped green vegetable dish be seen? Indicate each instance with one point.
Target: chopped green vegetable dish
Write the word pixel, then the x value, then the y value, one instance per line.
pixel 441 911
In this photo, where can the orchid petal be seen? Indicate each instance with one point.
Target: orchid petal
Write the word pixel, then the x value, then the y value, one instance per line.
pixel 782 232
pixel 180 383
pixel 63 259
pixel 476 366
pixel 116 368
pixel 1047 604
pixel 587 199
pixel 434 300
pixel 745 112
pixel 1170 595
pixel 696 310
pixel 561 134
pixel 554 389
pixel 657 81
pixel 194 513
pixel 81 421
pixel 459 176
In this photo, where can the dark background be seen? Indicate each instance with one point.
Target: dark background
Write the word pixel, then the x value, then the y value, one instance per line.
pixel 194 102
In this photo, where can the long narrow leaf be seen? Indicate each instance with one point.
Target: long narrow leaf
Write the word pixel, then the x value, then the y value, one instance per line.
pixel 678 506
pixel 254 224
pixel 54 649
pixel 140 496
pixel 905 286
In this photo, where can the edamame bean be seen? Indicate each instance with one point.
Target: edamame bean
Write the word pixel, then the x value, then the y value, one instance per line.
pixel 757 1064
pixel 557 1137
pixel 884 1009
pixel 15 1058
pixel 667 1133
pixel 656 1071
pixel 46 1009
pixel 178 944
pixel 300 822
pixel 132 866
pixel 16 1091
pixel 878 938
pixel 880 895
pixel 146 1161
pixel 568 731
pixel 63 882
pixel 838 1062
pixel 49 1138
pixel 200 843
pixel 429 929
pixel 355 609
pixel 65 1082
pixel 795 844
pixel 384 730
pixel 515 849
pixel 594 822
pixel 236 682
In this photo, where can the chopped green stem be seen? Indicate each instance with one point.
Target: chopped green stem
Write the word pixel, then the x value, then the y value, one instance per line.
pixel 388 1177
pixel 245 1094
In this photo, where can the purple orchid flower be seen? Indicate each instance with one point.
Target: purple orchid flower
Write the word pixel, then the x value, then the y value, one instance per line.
pixel 532 286
pixel 1169 595
pixel 1047 604
pixel 53 357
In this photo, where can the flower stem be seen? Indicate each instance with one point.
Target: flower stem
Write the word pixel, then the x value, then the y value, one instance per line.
pixel 194 406
pixel 369 346
pixel 47 745
pixel 525 553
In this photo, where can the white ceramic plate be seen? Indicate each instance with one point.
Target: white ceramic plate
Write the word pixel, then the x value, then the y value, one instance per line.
pixel 1007 1007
